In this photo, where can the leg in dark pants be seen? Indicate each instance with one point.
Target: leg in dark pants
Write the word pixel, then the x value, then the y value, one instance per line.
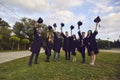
pixel 48 58
pixel 83 54
pixel 83 57
pixel 66 55
pixel 48 54
pixel 31 58
pixel 36 59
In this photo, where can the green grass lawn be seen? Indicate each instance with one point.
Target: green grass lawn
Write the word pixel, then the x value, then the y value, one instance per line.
pixel 107 67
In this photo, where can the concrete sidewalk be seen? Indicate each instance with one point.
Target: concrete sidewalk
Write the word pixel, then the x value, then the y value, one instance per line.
pixel 8 56
pixel 112 50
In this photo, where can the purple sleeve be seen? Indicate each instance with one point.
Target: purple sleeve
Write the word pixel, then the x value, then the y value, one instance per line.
pixel 95 33
pixel 79 33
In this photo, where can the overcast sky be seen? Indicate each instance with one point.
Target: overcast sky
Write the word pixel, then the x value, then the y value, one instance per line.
pixel 69 12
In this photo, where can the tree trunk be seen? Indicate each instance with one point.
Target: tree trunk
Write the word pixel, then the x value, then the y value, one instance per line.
pixel 18 46
pixel 12 45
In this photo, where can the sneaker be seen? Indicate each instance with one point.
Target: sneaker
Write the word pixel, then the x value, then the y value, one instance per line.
pixel 92 64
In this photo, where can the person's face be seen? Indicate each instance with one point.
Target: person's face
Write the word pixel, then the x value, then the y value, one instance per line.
pixel 83 34
pixel 50 36
pixel 89 32
pixel 36 23
pixel 39 31
pixel 66 33
pixel 74 36
pixel 58 34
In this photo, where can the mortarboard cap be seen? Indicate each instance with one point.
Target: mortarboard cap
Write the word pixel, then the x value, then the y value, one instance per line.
pixel 97 19
pixel 50 27
pixel 54 25
pixel 71 27
pixel 62 24
pixel 79 23
pixel 40 20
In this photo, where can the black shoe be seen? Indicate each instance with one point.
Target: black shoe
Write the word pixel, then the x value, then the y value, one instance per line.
pixel 36 63
pixel 68 59
pixel 83 62
pixel 30 65
pixel 46 61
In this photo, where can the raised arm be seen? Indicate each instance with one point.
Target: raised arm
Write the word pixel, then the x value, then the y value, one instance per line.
pixel 79 33
pixel 96 29
pixel 62 34
pixel 55 35
pixel 35 31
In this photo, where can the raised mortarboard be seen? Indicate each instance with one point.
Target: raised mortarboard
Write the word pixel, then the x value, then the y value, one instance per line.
pixel 40 20
pixel 62 24
pixel 97 19
pixel 79 23
pixel 71 27
pixel 54 25
pixel 50 27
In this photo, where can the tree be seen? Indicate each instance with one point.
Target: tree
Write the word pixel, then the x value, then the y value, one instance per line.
pixel 5 32
pixel 104 44
pixel 117 44
pixel 3 23
pixel 25 28
pixel 14 40
pixel 25 42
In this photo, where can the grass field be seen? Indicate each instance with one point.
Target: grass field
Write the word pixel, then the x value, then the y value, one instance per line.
pixel 107 67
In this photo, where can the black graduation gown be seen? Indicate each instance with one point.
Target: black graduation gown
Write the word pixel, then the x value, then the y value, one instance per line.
pixel 37 43
pixel 73 46
pixel 80 47
pixel 91 43
pixel 66 44
pixel 48 47
pixel 57 43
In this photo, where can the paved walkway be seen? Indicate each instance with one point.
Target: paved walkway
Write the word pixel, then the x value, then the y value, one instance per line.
pixel 112 50
pixel 8 56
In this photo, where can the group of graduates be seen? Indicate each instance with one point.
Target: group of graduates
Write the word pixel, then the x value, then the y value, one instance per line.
pixel 70 44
